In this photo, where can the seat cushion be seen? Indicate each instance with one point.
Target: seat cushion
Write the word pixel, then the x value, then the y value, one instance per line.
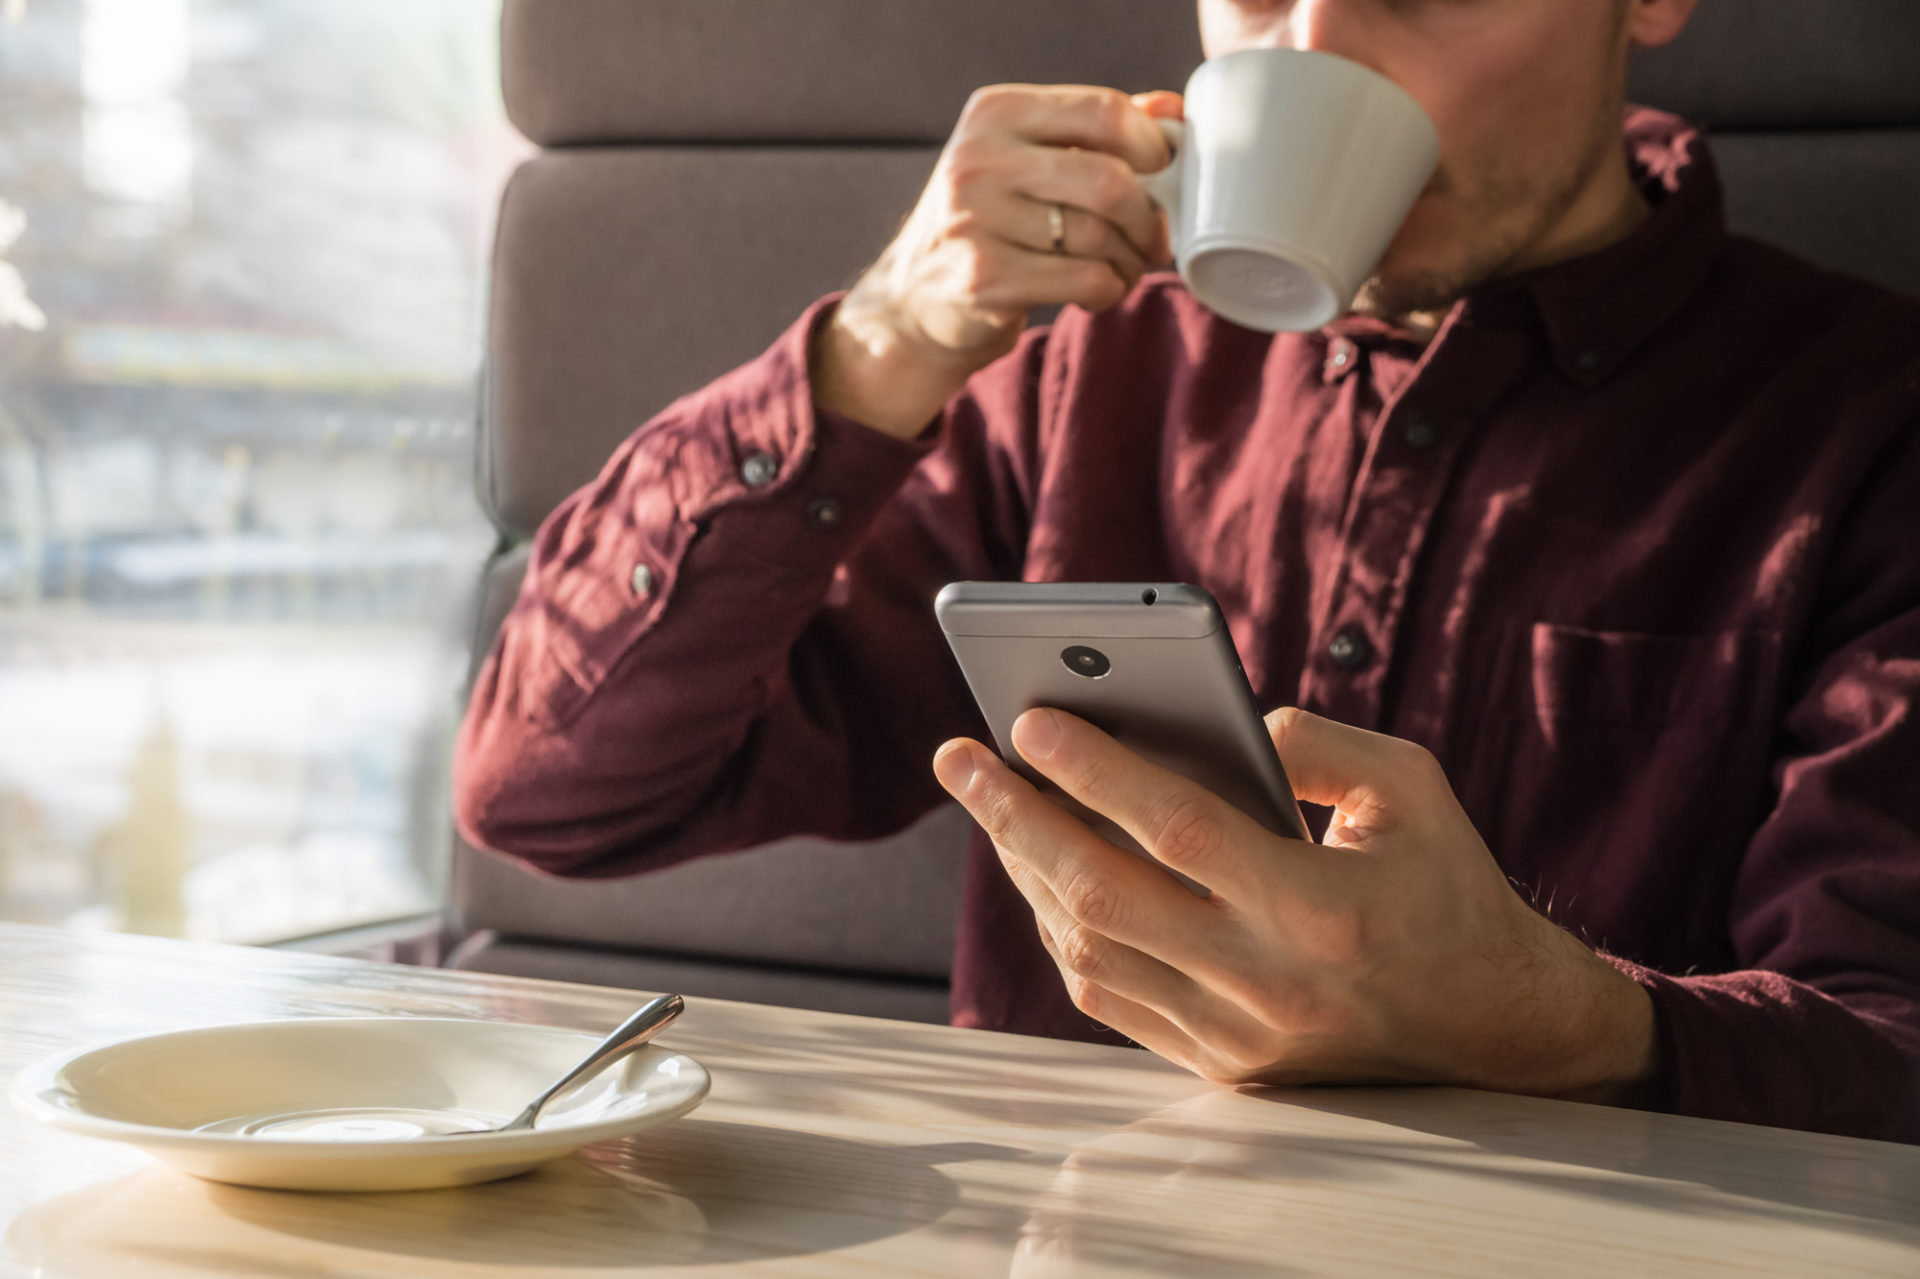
pixel 884 908
pixel 789 987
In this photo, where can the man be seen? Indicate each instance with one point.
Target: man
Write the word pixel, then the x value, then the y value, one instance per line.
pixel 1590 515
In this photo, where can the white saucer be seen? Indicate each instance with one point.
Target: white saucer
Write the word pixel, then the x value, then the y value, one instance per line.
pixel 353 1103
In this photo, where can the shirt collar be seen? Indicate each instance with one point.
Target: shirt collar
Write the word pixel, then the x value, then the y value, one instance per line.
pixel 1596 309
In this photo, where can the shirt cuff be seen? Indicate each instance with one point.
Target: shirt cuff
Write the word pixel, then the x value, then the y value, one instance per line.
pixel 741 488
pixel 804 483
pixel 1758 1047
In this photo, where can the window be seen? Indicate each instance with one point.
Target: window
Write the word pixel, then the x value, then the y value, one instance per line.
pixel 242 253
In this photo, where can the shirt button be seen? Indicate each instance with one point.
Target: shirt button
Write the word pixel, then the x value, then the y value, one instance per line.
pixel 1340 357
pixel 760 470
pixel 642 580
pixel 1587 360
pixel 1349 650
pixel 824 513
pixel 1420 432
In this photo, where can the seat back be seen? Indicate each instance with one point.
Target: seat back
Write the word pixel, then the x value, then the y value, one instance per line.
pixel 1813 108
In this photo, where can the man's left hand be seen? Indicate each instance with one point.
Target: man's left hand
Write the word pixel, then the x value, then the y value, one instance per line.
pixel 1394 951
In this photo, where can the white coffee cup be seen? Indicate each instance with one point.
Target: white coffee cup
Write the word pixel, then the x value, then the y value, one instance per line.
pixel 1289 178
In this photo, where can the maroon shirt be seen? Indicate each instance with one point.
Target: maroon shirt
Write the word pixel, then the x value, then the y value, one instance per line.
pixel 1633 546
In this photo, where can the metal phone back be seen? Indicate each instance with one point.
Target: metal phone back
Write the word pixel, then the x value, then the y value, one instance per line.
pixel 1173 689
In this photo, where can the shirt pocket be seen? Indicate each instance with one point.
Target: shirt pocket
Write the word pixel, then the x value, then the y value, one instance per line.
pixel 1579 676
pixel 1620 774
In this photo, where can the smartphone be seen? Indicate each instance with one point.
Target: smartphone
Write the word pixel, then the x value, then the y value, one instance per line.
pixel 1150 663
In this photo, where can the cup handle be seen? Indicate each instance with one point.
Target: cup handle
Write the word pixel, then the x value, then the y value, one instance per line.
pixel 1163 187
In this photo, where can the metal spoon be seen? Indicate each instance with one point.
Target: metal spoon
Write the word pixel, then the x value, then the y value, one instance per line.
pixel 627 1036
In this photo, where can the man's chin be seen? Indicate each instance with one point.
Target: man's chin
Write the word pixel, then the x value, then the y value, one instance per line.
pixel 1432 263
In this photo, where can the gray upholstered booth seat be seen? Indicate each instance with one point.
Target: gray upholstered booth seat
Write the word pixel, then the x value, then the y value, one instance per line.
pixel 712 166
pixel 782 71
pixel 832 992
pixel 1788 65
pixel 844 72
pixel 624 277
pixel 883 909
pixel 1848 199
pixel 1814 111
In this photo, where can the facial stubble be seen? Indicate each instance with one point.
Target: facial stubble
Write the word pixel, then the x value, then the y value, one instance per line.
pixel 1494 242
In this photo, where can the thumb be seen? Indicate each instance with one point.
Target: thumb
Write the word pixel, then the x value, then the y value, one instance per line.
pixel 1348 768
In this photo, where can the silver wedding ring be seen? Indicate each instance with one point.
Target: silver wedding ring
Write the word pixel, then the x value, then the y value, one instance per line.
pixel 1057 225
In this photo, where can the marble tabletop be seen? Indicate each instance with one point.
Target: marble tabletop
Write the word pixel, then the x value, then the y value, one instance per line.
pixel 836 1145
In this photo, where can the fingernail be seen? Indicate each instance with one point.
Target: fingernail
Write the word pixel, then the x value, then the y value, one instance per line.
pixel 954 767
pixel 1037 733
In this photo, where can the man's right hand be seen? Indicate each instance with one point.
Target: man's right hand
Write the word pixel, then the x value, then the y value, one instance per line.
pixel 952 292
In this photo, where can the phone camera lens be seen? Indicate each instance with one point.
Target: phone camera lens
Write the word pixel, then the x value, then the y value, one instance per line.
pixel 1090 663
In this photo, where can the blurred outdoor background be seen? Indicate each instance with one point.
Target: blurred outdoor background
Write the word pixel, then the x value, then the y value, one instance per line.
pixel 242 273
